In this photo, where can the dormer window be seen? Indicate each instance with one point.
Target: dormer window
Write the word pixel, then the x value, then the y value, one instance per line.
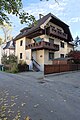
pixel 21 42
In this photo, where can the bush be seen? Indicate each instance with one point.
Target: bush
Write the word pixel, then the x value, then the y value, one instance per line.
pixel 8 59
pixel 23 67
pixel 14 68
pixel 10 63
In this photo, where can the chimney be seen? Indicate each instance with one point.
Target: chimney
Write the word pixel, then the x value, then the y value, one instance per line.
pixel 40 16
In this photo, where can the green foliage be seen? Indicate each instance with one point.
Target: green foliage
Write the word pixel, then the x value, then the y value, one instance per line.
pixel 14 68
pixel 14 7
pixel 9 6
pixel 10 63
pixel 4 59
pixel 8 59
pixel 12 59
pixel 77 41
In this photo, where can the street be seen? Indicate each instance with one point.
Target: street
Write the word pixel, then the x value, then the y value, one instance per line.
pixel 52 98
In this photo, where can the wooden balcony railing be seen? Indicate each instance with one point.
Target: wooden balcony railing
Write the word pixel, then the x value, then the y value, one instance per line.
pixel 52 31
pixel 43 45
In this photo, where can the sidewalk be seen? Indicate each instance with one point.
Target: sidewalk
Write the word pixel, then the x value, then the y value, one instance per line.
pixel 40 75
pixel 37 75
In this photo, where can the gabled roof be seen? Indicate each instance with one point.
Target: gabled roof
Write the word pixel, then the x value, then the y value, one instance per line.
pixel 10 45
pixel 42 21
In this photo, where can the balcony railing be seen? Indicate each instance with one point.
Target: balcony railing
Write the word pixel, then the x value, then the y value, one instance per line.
pixel 52 31
pixel 43 45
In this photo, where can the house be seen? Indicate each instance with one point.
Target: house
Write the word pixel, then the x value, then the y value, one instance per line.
pixel 39 44
pixel 1 50
pixel 7 48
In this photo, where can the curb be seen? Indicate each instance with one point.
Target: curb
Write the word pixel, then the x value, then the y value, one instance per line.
pixel 62 73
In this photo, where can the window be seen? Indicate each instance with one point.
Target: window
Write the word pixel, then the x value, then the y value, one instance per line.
pixel 51 40
pixel 62 44
pixel 62 55
pixel 51 55
pixel 21 42
pixel 20 55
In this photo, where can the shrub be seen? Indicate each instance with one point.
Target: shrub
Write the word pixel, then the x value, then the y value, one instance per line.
pixel 10 63
pixel 23 67
pixel 14 68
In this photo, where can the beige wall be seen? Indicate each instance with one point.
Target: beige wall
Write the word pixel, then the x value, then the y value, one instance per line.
pixel 61 50
pixel 70 48
pixel 20 49
pixel 28 56
pixel 46 57
pixel 39 57
pixel 67 47
pixel 29 41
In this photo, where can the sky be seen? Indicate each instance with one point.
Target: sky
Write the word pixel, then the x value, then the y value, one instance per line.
pixel 67 10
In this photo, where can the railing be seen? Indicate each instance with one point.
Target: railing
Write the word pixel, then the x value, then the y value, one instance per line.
pixel 36 64
pixel 43 45
pixel 57 33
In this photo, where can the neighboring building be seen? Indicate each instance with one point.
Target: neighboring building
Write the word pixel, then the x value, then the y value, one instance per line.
pixel 50 38
pixel 1 51
pixel 7 48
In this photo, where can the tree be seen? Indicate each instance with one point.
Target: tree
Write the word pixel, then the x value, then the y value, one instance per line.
pixel 75 55
pixel 13 7
pixel 77 41
pixel 6 30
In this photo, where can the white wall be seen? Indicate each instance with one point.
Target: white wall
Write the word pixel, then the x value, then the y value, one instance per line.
pixel 9 52
pixel 1 51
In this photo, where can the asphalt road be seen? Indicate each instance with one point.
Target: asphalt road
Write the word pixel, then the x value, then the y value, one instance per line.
pixel 24 96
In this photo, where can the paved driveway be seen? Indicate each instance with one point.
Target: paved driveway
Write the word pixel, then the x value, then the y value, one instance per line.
pixel 54 98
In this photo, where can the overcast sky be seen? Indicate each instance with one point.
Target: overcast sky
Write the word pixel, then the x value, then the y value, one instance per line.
pixel 67 10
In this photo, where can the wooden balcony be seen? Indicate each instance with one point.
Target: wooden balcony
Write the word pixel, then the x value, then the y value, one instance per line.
pixel 43 45
pixel 56 33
